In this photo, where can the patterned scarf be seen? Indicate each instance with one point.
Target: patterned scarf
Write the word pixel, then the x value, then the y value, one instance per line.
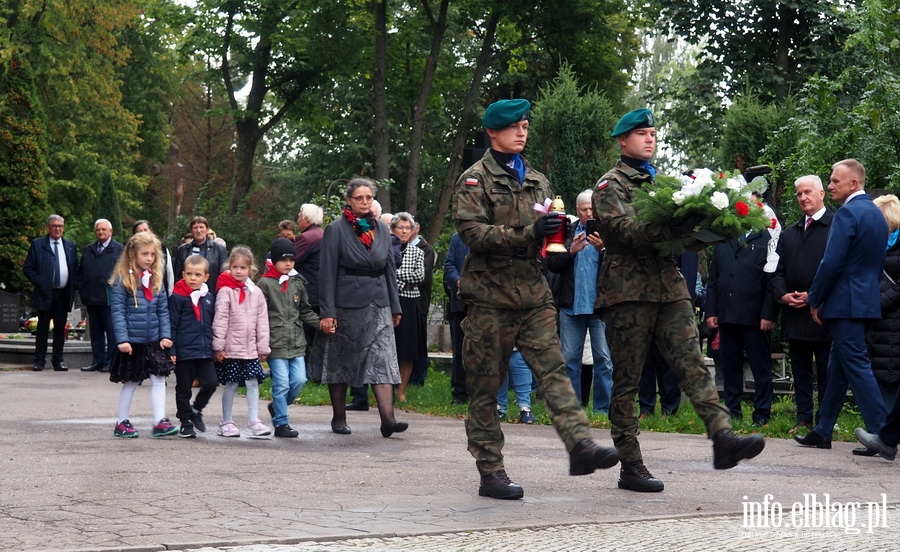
pixel 363 227
pixel 227 280
pixel 272 272
pixel 181 288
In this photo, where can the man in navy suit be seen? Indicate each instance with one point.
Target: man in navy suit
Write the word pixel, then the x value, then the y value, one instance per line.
pixel 845 294
pixel 97 263
pixel 51 266
pixel 453 265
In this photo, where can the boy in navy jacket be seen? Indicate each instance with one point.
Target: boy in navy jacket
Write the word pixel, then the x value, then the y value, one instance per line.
pixel 191 309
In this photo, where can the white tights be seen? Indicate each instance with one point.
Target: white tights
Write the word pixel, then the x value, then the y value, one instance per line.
pixel 157 398
pixel 252 400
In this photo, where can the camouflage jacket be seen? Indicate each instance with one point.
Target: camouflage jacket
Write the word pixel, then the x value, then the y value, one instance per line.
pixel 633 269
pixel 495 217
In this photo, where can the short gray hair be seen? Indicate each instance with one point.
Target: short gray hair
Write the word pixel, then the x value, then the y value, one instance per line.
pixel 403 215
pixel 584 197
pixel 359 182
pixel 55 218
pixel 311 213
pixel 815 180
pixel 102 221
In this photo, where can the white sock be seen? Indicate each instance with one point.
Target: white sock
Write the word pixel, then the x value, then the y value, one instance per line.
pixel 252 399
pixel 228 401
pixel 125 396
pixel 158 397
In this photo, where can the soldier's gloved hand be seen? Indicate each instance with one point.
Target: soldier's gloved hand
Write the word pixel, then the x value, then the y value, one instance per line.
pixel 687 226
pixel 548 225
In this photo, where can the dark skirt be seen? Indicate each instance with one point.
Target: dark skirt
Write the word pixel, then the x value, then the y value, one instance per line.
pixel 239 370
pixel 362 351
pixel 410 334
pixel 145 359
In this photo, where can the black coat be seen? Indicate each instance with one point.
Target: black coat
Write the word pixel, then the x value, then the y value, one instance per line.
pixel 737 290
pixel 884 335
pixel 799 254
pixel 191 338
pixel 94 272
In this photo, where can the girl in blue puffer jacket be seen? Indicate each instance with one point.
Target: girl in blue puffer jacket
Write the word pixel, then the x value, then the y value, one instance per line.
pixel 140 315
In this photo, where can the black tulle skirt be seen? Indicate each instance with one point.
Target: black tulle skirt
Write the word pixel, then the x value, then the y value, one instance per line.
pixel 145 359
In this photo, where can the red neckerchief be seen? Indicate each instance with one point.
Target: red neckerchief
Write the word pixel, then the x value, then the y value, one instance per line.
pixel 227 280
pixel 181 288
pixel 272 272
pixel 145 283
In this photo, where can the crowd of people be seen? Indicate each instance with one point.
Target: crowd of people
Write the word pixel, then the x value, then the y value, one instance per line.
pixel 346 305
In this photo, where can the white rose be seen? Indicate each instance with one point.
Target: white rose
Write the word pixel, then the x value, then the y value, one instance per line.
pixel 651 193
pixel 691 188
pixel 678 198
pixel 703 178
pixel 719 200
pixel 734 184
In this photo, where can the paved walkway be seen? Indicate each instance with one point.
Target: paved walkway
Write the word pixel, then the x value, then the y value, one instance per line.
pixel 67 484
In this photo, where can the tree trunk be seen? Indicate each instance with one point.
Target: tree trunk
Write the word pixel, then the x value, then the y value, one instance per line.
pixel 379 83
pixel 438 27
pixel 462 130
pixel 248 137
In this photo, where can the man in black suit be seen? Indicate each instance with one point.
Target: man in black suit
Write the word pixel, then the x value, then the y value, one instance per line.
pixel 51 266
pixel 739 305
pixel 800 250
pixel 97 263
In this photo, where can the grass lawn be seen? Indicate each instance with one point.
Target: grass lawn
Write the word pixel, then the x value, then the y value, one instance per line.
pixel 434 399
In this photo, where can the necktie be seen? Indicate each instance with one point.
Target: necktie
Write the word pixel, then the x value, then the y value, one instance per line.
pixel 56 282
pixel 808 222
pixel 99 248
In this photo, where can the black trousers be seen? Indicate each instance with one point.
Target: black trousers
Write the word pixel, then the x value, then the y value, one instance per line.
pixel 656 372
pixel 457 372
pixel 58 313
pixel 806 372
pixel 186 371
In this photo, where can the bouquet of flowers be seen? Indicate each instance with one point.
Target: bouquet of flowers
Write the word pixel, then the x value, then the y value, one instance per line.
pixel 719 200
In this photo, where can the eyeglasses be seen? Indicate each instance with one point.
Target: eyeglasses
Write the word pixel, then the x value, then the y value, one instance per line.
pixel 403 228
pixel 56 226
pixel 362 198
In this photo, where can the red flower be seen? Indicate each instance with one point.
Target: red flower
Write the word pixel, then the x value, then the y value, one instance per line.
pixel 742 208
pixel 759 204
pixel 774 223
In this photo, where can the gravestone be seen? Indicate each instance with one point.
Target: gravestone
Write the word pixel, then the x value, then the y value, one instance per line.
pixel 10 311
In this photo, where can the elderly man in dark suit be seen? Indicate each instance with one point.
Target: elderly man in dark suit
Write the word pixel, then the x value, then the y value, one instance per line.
pixel 51 266
pixel 97 263
pixel 845 294
pixel 739 305
pixel 800 250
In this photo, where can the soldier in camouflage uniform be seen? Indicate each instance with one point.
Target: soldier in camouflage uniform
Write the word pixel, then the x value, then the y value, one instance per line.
pixel 643 298
pixel 509 302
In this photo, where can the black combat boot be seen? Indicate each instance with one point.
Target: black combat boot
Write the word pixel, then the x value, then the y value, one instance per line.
pixel 634 476
pixel 729 449
pixel 588 456
pixel 498 485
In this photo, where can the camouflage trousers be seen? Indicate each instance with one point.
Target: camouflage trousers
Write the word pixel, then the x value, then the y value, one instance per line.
pixel 630 328
pixel 490 335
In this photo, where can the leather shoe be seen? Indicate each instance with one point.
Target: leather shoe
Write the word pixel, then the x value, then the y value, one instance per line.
pixel 498 485
pixel 813 439
pixel 798 426
pixel 361 407
pixel 104 369
pixel 92 368
pixel 874 442
pixel 729 449
pixel 37 367
pixel 588 456
pixel 342 429
pixel 394 427
pixel 864 451
pixel 61 367
pixel 634 476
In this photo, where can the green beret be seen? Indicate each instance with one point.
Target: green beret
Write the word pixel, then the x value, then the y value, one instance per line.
pixel 639 118
pixel 503 113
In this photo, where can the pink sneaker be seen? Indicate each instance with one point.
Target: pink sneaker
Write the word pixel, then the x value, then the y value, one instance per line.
pixel 164 427
pixel 228 429
pixel 259 429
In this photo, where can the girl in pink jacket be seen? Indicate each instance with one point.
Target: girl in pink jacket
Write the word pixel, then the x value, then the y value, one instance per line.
pixel 240 340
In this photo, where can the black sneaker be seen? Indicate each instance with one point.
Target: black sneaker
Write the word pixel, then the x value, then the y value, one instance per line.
pixel 285 430
pixel 634 476
pixel 198 421
pixel 498 485
pixel 187 431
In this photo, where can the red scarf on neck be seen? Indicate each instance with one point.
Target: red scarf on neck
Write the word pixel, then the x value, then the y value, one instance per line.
pixel 272 272
pixel 181 288
pixel 148 293
pixel 227 280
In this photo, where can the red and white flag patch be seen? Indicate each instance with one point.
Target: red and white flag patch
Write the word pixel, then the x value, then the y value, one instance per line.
pixel 471 182
pixel 602 184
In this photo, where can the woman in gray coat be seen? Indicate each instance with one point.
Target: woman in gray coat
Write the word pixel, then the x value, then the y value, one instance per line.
pixel 359 306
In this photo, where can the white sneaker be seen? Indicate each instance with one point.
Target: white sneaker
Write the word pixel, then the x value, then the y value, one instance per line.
pixel 259 429
pixel 228 429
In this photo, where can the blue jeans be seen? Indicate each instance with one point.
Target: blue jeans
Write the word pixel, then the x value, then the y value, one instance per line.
pixel 288 379
pixel 572 329
pixel 520 377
